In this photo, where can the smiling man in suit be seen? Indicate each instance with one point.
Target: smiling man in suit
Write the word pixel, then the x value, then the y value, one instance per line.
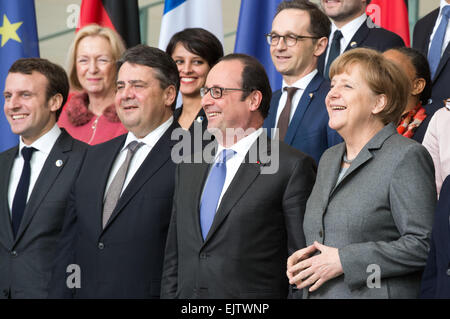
pixel 298 109
pixel 234 219
pixel 120 206
pixel 432 37
pixel 35 177
pixel 352 28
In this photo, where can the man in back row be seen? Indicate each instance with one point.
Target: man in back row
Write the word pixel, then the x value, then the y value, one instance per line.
pixel 352 28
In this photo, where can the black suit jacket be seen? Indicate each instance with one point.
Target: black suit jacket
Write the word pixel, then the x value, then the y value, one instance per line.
pixel 375 38
pixel 421 40
pixel 258 223
pixel 124 259
pixel 26 261
pixel 436 277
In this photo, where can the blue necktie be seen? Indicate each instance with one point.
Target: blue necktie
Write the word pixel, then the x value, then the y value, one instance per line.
pixel 434 54
pixel 335 51
pixel 20 197
pixel 212 191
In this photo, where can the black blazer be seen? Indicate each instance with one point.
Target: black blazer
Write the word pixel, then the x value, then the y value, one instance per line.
pixel 430 109
pixel 421 40
pixel 436 277
pixel 123 260
pixel 375 38
pixel 257 225
pixel 26 261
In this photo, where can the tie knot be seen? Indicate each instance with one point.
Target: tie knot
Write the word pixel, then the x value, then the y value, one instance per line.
pixel 446 12
pixel 134 146
pixel 225 155
pixel 337 35
pixel 27 152
pixel 291 91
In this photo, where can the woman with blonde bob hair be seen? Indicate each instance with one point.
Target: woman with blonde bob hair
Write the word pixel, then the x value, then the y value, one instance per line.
pixel 90 115
pixel 368 219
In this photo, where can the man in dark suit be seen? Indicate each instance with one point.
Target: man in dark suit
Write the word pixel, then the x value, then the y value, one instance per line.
pixel 352 28
pixel 431 37
pixel 234 222
pixel 35 177
pixel 120 206
pixel 436 277
pixel 298 110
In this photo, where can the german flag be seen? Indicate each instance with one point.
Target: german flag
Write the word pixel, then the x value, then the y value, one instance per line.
pixel 120 15
pixel 391 15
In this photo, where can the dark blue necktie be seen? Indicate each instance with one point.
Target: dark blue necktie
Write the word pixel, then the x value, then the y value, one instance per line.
pixel 212 191
pixel 20 197
pixel 335 51
pixel 434 54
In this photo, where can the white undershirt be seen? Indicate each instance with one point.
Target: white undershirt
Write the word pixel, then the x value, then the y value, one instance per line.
pixel 301 84
pixel 43 146
pixel 141 154
pixel 241 148
pixel 447 32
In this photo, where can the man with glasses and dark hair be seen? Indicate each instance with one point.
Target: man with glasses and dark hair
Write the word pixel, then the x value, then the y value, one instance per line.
pixel 234 219
pixel 120 207
pixel 298 110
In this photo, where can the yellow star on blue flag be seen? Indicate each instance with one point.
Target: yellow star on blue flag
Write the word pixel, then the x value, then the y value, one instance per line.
pixel 9 31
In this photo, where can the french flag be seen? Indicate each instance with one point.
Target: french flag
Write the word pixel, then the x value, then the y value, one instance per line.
pixel 182 14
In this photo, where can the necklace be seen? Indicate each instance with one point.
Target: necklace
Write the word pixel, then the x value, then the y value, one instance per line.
pixel 346 160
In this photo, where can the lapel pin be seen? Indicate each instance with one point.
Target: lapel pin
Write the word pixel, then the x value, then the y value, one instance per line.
pixel 199 119
pixel 59 163
pixel 353 44
pixel 311 95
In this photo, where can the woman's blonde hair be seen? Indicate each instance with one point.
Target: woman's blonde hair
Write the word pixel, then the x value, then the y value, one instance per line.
pixel 381 75
pixel 114 39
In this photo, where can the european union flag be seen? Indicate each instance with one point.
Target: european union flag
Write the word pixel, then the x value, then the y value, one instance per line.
pixel 19 39
pixel 255 20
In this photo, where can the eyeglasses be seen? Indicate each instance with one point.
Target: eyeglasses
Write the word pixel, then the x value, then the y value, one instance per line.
pixel 216 92
pixel 290 40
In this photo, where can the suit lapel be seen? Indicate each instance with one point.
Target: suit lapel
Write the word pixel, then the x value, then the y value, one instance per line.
pixel 159 155
pixel 366 153
pixel 359 37
pixel 6 235
pixel 302 107
pixel 245 176
pixel 47 177
pixel 444 60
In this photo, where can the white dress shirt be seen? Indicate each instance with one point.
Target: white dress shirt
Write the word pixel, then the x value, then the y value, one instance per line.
pixel 241 148
pixel 447 32
pixel 149 141
pixel 43 146
pixel 301 85
pixel 348 32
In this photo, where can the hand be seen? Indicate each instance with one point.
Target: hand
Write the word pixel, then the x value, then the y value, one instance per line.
pixel 313 271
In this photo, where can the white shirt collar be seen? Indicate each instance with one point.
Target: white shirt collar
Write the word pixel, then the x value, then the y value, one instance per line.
pixel 349 30
pixel 303 82
pixel 151 138
pixel 243 145
pixel 45 143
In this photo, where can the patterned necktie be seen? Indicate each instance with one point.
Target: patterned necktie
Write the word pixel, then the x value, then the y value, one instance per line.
pixel 283 121
pixel 335 51
pixel 21 195
pixel 212 191
pixel 434 54
pixel 113 194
